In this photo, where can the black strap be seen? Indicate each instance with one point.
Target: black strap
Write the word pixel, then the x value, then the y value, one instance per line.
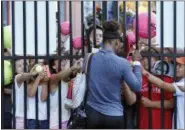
pixel 87 78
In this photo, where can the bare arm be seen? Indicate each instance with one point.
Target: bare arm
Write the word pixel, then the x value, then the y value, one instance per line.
pixel 44 92
pixel 23 77
pixel 158 82
pixel 168 104
pixel 129 96
pixel 32 88
pixel 63 75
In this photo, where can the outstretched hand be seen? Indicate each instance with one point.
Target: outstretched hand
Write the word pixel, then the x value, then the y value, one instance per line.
pixel 146 102
pixel 136 56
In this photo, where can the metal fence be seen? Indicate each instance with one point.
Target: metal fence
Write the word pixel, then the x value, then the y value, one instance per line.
pixel 71 56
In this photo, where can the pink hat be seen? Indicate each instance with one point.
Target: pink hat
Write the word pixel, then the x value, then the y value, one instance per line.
pixel 77 42
pixel 65 28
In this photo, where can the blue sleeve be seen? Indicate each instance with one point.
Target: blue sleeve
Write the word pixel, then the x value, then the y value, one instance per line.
pixel 133 78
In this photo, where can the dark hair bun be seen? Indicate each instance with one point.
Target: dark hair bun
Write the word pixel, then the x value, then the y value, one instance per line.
pixel 112 26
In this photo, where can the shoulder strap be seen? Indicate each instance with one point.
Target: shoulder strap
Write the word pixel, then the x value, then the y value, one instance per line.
pixel 88 65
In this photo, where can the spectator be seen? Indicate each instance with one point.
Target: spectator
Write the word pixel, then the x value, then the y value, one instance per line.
pixel 155 102
pixel 177 88
pixel 104 108
pixel 99 37
pixel 169 60
pixel 39 82
pixel 64 76
pixel 19 92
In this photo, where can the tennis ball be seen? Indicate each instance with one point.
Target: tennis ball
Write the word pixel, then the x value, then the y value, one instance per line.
pixel 39 68
pixel 7 37
pixel 8 75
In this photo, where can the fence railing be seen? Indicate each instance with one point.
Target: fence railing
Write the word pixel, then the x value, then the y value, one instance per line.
pixel 70 55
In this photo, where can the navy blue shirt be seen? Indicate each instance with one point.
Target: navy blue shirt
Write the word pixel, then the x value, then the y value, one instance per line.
pixel 106 74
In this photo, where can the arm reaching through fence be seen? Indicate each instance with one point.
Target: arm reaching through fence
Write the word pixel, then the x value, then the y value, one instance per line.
pixel 158 82
pixel 63 75
pixel 168 104
pixel 24 77
pixel 32 87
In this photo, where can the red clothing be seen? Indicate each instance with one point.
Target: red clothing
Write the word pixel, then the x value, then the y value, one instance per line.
pixel 156 113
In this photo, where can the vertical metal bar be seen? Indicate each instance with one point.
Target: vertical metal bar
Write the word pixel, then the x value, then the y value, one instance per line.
pixel 82 28
pixel 149 61
pixel 137 24
pixel 115 10
pixel 117 14
pixel 174 58
pixel 2 66
pixel 47 53
pixel 94 23
pixel 71 31
pixel 13 53
pixel 104 10
pixel 162 58
pixel 136 35
pixel 36 54
pixel 59 53
pixel 24 51
pixel 124 27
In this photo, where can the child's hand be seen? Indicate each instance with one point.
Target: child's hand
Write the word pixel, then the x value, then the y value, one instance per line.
pixel 41 76
pixel 146 102
pixel 136 56
pixel 34 73
pixel 46 78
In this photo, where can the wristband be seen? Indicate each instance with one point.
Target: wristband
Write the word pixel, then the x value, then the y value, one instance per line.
pixel 136 63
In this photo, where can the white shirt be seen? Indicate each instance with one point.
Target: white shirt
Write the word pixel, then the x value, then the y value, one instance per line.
pixel 19 99
pixel 67 44
pixel 54 106
pixel 171 70
pixel 180 104
pixel 42 107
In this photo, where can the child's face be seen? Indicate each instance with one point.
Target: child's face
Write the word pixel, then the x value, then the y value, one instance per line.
pixel 145 62
pixel 167 59
pixel 64 65
pixel 180 69
pixel 99 36
pixel 41 61
pixel 19 66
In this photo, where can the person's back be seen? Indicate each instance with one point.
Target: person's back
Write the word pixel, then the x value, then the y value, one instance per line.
pixel 104 83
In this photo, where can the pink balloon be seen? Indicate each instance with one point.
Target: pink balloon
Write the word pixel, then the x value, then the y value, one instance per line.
pixel 77 43
pixel 65 28
pixel 143 25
